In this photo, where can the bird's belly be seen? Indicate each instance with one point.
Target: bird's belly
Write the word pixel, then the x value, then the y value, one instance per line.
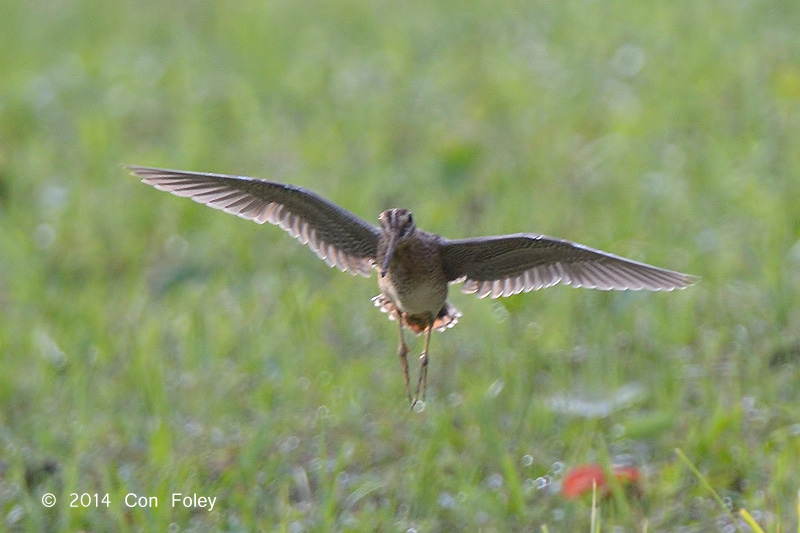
pixel 419 298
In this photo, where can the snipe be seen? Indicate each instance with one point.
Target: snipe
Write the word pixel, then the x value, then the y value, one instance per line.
pixel 415 267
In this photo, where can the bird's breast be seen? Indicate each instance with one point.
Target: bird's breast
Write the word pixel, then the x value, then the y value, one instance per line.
pixel 415 281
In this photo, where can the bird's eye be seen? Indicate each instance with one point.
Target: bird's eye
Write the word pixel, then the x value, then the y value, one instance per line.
pixel 408 226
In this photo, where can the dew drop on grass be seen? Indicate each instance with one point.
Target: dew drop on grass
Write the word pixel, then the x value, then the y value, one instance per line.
pixel 53 198
pixel 322 412
pixel 557 468
pixel 628 61
pixel 728 501
pixel 495 482
pixel 454 399
pixel 495 388
pixel 446 500
pixel 125 472
pixel 176 246
pixel 528 486
pixel 419 406
pixel 50 350
pixel 368 424
pixel 534 330
pixel 193 428
pixel 349 521
pixel 15 515
pixel 289 444
pixel 499 312
pixel 527 460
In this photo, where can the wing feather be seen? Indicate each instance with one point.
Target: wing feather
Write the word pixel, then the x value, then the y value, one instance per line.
pixel 509 264
pixel 336 235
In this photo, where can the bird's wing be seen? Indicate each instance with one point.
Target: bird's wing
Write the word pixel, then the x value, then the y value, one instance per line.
pixel 336 235
pixel 509 264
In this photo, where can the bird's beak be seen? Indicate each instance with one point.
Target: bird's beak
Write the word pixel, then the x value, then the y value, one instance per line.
pixel 394 237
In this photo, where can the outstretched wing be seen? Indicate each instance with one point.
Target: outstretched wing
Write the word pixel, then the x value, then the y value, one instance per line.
pixel 522 262
pixel 336 235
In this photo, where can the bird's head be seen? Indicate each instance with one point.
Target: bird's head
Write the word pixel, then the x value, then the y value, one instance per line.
pixel 397 225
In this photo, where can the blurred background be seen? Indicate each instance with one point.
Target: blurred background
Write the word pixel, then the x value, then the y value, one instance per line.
pixel 149 345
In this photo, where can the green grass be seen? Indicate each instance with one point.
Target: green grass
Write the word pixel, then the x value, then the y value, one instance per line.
pixel 150 345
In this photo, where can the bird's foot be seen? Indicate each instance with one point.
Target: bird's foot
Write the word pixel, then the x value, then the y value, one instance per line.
pixel 422 380
pixel 417 406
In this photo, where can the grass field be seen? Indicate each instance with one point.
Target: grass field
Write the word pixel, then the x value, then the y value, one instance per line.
pixel 151 346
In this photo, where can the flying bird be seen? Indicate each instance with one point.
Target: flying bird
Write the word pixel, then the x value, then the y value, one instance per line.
pixel 415 268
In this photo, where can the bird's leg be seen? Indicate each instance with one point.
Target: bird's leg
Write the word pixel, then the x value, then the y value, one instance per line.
pixel 422 379
pixel 402 352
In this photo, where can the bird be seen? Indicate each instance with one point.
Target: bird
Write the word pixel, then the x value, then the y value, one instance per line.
pixel 414 267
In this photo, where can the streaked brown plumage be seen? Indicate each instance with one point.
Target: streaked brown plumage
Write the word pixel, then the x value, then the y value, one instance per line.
pixel 415 267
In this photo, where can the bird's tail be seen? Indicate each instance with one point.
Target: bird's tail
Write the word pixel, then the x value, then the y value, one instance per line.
pixel 447 318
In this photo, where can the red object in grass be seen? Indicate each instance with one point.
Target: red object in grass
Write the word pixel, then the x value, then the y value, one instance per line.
pixel 579 480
